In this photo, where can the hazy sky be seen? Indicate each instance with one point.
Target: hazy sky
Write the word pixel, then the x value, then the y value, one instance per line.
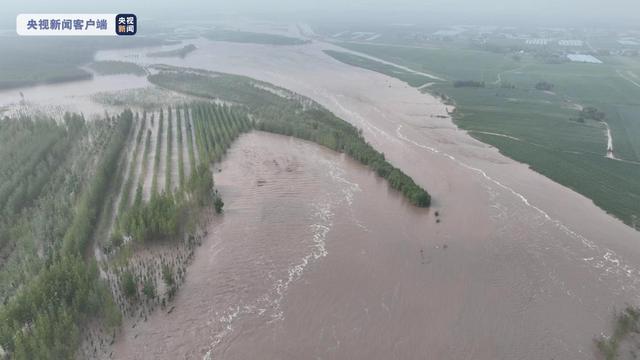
pixel 610 11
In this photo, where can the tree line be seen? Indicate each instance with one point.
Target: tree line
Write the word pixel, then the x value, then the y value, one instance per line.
pixel 215 128
pixel 290 114
pixel 157 154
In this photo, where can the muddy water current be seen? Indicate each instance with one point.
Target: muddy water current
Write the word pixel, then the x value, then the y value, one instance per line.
pixel 293 209
pixel 315 258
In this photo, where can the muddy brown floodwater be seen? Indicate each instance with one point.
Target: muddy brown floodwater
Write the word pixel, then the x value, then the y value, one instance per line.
pixel 316 259
pixel 531 269
pixel 297 213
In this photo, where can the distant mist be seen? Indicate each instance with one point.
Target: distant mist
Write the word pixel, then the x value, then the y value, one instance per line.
pixel 510 12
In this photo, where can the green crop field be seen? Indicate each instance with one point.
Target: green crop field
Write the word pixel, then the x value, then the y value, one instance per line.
pixel 450 62
pixel 553 139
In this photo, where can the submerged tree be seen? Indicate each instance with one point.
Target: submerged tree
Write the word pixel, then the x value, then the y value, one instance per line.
pixel 218 204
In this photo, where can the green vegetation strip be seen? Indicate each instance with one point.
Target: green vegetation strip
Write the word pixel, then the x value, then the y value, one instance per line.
pixel 169 157
pixel 181 52
pixel 157 154
pixel 180 148
pixel 413 79
pixel 189 128
pixel 125 198
pixel 79 233
pixel 285 115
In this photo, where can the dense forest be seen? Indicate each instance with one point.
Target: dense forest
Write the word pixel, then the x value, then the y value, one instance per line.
pixel 44 167
pixel 43 318
pixel 279 111
pixel 46 310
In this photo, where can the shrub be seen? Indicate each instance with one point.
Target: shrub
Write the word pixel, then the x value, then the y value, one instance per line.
pixel 129 285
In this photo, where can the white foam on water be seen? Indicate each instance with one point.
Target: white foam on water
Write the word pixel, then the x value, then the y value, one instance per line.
pixel 337 174
pixel 616 266
pixel 368 125
pixel 270 302
pixel 349 189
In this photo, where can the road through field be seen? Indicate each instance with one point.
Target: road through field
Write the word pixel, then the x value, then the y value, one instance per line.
pixel 518 267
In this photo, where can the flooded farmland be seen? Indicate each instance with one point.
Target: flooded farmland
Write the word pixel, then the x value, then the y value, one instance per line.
pixel 316 258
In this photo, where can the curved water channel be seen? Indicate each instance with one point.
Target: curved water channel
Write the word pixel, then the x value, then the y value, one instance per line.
pixel 316 258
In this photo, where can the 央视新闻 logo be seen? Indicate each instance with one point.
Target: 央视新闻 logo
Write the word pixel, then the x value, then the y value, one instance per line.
pixel 126 24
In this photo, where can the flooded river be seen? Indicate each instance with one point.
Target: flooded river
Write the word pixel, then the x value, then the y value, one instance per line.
pixel 56 99
pixel 316 259
pixel 300 263
pixel 531 269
